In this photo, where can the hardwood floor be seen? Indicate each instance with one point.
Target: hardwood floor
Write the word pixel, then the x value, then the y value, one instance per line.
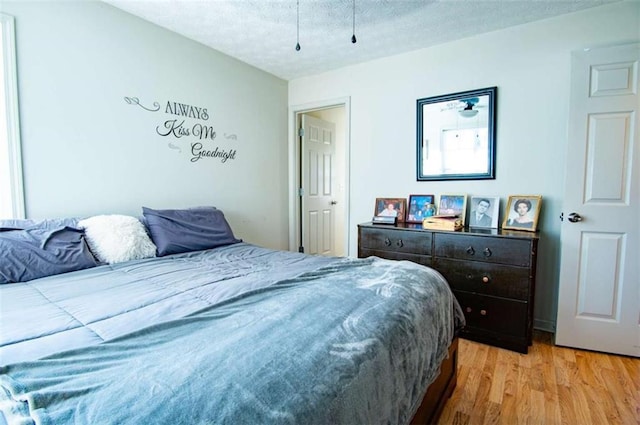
pixel 550 385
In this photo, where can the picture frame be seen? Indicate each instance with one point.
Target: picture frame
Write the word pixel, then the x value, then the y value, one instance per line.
pixel 418 208
pixel 484 212
pixel 453 204
pixel 522 212
pixel 390 207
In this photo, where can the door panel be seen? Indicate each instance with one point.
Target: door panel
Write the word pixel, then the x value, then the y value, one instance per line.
pixel 599 285
pixel 608 143
pixel 599 294
pixel 318 152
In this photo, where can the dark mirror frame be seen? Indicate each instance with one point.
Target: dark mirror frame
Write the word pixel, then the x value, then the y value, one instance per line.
pixel 423 122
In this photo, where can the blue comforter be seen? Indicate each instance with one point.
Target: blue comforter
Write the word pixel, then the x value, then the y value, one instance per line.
pixel 346 341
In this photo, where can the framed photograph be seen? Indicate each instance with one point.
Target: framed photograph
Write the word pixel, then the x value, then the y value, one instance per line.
pixel 453 204
pixel 484 212
pixel 390 207
pixel 420 207
pixel 522 212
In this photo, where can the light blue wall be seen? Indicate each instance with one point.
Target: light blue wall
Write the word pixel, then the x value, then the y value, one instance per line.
pixel 87 151
pixel 530 65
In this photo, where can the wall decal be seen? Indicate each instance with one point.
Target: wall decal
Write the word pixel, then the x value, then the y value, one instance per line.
pixel 192 124
pixel 172 146
pixel 136 101
pixel 199 152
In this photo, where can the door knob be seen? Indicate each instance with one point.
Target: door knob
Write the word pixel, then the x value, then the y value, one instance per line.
pixel 333 202
pixel 574 217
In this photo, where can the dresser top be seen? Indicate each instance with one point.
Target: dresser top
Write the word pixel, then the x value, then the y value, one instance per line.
pixel 417 227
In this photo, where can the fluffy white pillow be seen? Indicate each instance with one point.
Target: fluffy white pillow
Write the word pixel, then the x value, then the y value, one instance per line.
pixel 117 238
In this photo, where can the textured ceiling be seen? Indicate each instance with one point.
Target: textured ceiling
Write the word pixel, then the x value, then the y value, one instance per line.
pixel 263 32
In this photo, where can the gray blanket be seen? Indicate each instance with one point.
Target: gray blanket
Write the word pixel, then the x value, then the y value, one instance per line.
pixel 352 341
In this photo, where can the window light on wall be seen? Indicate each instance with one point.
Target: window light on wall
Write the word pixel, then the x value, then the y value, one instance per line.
pixel 11 186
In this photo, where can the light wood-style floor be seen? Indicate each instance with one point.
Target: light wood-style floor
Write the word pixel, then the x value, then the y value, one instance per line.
pixel 550 385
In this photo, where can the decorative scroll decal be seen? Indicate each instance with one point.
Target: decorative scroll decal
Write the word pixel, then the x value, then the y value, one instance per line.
pixel 190 124
pixel 136 101
pixel 172 146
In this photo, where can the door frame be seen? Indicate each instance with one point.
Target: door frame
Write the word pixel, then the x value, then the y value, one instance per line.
pixel 295 111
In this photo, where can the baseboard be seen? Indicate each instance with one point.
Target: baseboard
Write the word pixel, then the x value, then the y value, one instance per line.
pixel 544 325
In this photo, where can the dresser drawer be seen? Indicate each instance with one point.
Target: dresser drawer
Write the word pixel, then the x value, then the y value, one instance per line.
pixel 516 252
pixel 493 315
pixel 425 260
pixel 485 278
pixel 396 240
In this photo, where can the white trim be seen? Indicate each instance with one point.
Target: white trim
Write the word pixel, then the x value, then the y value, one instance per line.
pixel 12 117
pixel 294 213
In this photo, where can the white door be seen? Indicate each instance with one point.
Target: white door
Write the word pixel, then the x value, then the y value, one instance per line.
pixel 599 294
pixel 318 186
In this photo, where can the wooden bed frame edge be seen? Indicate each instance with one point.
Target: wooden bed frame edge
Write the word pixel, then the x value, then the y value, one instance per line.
pixel 440 390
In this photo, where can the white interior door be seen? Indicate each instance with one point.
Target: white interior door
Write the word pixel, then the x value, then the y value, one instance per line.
pixel 318 186
pixel 599 294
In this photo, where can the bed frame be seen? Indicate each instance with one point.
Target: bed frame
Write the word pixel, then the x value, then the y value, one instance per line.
pixel 440 390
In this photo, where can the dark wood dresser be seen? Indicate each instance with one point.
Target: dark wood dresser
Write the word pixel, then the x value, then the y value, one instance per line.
pixel 491 272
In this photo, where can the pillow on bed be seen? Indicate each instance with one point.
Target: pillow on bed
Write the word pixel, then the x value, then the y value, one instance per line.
pixel 194 229
pixel 52 223
pixel 39 252
pixel 15 224
pixel 117 238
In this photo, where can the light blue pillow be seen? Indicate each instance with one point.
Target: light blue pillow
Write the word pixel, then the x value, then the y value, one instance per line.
pixel 38 252
pixel 193 229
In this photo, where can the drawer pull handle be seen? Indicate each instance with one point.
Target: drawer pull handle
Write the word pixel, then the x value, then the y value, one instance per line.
pixel 483 312
pixel 387 241
pixel 400 243
pixel 469 309
pixel 485 279
pixel 487 252
pixel 471 251
pixel 470 276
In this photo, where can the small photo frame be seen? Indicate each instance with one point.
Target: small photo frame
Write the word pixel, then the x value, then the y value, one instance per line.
pixel 390 207
pixel 420 207
pixel 453 204
pixel 484 212
pixel 522 212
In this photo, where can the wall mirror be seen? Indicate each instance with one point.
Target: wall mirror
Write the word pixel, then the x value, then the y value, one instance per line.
pixel 456 137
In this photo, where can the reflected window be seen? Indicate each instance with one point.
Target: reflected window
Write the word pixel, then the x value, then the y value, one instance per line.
pixel 464 151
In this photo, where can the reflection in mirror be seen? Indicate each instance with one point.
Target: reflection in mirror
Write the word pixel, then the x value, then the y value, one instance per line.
pixel 456 136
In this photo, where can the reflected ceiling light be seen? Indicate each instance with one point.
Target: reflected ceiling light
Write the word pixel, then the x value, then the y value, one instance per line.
pixel 468 113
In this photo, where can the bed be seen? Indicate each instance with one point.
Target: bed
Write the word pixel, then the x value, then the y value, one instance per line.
pixel 231 333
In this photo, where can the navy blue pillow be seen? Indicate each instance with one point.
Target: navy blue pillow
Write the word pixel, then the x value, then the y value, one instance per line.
pixel 194 229
pixel 15 224
pixel 52 223
pixel 38 252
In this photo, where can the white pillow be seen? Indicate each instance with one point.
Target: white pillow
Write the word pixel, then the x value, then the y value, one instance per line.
pixel 117 238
